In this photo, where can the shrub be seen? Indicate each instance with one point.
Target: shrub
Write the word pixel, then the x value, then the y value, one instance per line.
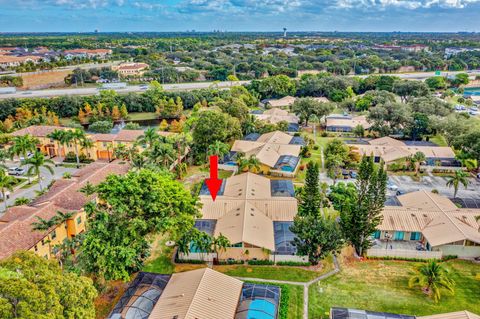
pixel 67 175
pixel 101 127
pixel 316 147
pixel 293 263
pixel 189 261
pixel 132 126
pixel 71 158
pixel 324 134
pixel 21 201
pixel 231 262
pixel 260 262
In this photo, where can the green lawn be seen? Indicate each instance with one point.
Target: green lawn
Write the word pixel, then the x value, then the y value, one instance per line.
pixel 142 116
pixel 439 140
pixel 383 286
pixel 298 274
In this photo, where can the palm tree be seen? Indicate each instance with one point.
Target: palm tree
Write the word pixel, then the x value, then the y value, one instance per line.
pixel 59 137
pixel 76 137
pixel 62 217
pixel 6 183
pixel 416 160
pixel 253 164
pixel 22 145
pixel 203 242
pixel 220 243
pixel 86 144
pixel 149 137
pixel 241 161
pixel 432 277
pixel 460 177
pixel 43 224
pixel 161 153
pixel 3 158
pixel 38 161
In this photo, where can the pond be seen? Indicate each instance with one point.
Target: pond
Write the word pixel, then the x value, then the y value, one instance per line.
pixel 471 91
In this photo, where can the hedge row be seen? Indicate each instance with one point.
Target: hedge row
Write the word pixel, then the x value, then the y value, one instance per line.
pixel 444 258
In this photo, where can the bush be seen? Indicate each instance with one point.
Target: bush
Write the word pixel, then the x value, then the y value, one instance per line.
pixel 284 301
pixel 101 127
pixel 132 126
pixel 189 261
pixel 316 147
pixel 231 262
pixel 260 262
pixel 71 158
pixel 324 134
pixel 293 263
pixel 21 201
pixel 444 258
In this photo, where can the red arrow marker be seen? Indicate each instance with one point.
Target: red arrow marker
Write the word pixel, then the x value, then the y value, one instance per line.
pixel 213 183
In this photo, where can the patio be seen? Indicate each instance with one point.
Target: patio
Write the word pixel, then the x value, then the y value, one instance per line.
pixel 395 244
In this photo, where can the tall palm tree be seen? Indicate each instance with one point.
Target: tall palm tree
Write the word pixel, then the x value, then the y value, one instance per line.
pixel 161 154
pixel 460 177
pixel 43 224
pixel 3 158
pixel 88 189
pixel 149 137
pixel 220 243
pixel 76 137
pixel 36 162
pixel 6 183
pixel 86 144
pixel 22 145
pixel 417 160
pixel 432 277
pixel 59 137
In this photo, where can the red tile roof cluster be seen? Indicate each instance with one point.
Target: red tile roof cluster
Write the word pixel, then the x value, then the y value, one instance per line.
pixel 16 224
pixel 88 51
pixel 37 130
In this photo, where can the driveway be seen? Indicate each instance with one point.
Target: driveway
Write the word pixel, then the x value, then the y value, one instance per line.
pixel 30 192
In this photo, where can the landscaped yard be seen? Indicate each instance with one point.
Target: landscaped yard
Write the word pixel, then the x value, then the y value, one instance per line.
pixel 299 274
pixel 383 286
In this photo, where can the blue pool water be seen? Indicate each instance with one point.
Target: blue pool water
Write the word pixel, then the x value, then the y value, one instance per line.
pixel 472 91
pixel 261 309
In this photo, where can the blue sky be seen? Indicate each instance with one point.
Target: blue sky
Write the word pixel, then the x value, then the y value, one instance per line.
pixel 239 15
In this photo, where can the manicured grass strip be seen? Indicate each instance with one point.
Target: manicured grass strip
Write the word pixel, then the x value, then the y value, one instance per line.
pixel 383 286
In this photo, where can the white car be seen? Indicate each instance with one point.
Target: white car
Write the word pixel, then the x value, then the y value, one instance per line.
pixel 29 155
pixel 7 194
pixel 17 171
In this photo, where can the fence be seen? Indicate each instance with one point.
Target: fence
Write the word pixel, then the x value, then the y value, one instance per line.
pixel 404 253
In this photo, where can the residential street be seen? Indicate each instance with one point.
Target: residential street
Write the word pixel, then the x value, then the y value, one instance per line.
pixel 30 192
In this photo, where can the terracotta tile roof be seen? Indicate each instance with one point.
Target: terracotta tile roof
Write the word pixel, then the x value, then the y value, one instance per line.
pixel 15 225
pixel 452 315
pixel 37 130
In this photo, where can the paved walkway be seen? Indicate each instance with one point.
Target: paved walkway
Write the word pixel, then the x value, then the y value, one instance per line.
pixel 305 285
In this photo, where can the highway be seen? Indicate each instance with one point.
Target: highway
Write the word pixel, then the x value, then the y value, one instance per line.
pixel 195 86
pixel 128 89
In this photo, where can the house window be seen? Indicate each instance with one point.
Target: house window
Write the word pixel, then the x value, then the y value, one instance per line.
pixel 415 236
pixel 36 248
pixel 398 235
pixel 377 234
pixel 237 245
pixel 54 234
pixel 79 220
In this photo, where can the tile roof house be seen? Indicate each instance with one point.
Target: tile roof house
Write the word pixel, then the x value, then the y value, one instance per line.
pixel 131 69
pixel 345 123
pixel 196 294
pixel 248 211
pixel 284 102
pixel 276 151
pixel 435 221
pixel 276 115
pixel 16 231
pixel 344 313
pixel 389 150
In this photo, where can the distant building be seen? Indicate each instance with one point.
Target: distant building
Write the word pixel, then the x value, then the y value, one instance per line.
pixel 87 53
pixel 284 102
pixel 7 61
pixel 345 123
pixel 389 150
pixel 131 69
pixel 275 116
pixel 456 50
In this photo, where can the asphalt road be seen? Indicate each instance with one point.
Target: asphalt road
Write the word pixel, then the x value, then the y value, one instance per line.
pixel 128 89
pixel 190 86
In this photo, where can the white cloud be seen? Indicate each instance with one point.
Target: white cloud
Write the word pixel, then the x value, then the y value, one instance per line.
pixel 407 4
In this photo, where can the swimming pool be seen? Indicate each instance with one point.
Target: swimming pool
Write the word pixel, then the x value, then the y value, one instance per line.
pixel 471 91
pixel 261 309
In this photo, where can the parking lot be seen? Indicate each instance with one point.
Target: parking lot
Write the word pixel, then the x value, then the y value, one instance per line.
pixel 407 184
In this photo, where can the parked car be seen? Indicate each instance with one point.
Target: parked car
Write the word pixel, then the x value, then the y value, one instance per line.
pixel 353 174
pixel 7 195
pixel 345 174
pixel 391 186
pixel 29 155
pixel 17 171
